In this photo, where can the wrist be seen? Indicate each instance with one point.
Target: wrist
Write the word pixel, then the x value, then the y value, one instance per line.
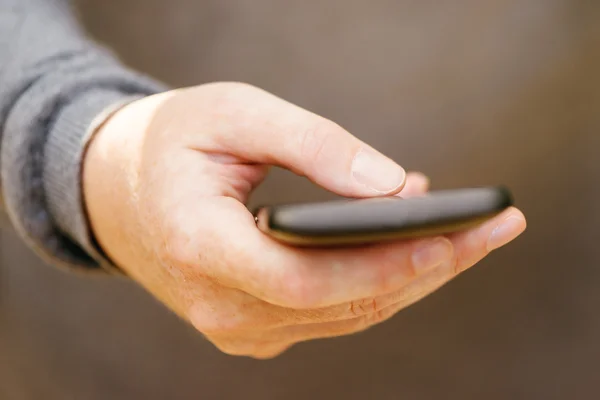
pixel 109 166
pixel 87 163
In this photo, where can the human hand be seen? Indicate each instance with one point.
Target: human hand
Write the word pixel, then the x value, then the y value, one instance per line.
pixel 165 182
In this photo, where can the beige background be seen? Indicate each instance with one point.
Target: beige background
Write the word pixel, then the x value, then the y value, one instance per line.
pixel 471 92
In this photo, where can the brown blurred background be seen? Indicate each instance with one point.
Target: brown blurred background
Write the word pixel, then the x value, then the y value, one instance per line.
pixel 472 93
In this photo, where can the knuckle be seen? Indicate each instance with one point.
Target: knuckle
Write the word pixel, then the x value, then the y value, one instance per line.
pixel 237 87
pixel 227 96
pixel 212 322
pixel 313 141
pixel 233 349
pixel 365 306
pixel 353 308
pixel 379 316
pixel 372 304
pixel 172 245
pixel 178 242
pixel 261 350
pixel 174 250
pixel 227 88
pixel 271 351
pixel 355 325
pixel 376 317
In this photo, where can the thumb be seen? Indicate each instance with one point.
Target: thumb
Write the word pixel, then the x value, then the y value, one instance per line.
pixel 266 129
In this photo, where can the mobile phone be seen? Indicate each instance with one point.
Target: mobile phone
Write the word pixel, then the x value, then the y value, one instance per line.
pixel 363 221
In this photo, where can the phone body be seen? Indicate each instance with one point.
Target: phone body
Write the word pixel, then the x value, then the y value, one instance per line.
pixel 363 221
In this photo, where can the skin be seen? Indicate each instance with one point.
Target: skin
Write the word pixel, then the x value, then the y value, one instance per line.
pixel 165 182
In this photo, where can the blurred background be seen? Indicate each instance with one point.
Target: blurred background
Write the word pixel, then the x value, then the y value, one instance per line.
pixel 470 92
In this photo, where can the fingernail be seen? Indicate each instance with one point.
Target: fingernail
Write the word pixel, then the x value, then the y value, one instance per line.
pixel 431 253
pixel 377 172
pixel 508 230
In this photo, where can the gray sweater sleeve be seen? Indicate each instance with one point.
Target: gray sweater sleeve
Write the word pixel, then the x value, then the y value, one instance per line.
pixel 55 87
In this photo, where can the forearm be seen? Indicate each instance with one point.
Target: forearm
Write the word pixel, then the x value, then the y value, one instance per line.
pixel 55 86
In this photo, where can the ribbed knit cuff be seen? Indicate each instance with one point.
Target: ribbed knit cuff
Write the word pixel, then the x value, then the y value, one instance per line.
pixel 44 142
pixel 63 159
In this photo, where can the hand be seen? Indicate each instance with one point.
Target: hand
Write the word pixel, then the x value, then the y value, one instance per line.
pixel 165 183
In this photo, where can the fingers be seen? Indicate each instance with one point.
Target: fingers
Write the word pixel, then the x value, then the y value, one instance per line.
pixel 258 348
pixel 473 245
pixel 263 128
pixel 242 258
pixel 233 312
pixel 267 342
pixel 259 338
pixel 311 278
pixel 238 256
pixel 407 295
pixel 302 333
pixel 280 327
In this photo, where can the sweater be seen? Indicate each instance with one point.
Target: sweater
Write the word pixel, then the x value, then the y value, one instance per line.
pixel 56 87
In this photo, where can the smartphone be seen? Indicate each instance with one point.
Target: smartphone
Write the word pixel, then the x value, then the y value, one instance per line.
pixel 363 221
